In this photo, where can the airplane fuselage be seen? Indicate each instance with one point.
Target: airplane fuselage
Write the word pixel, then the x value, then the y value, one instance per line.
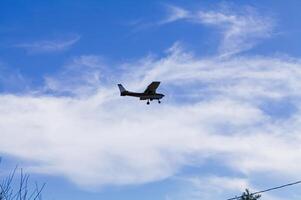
pixel 144 96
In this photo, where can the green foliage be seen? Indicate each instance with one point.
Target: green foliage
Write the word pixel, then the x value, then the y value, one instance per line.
pixel 248 196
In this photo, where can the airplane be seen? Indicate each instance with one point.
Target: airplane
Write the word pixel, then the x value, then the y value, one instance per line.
pixel 149 94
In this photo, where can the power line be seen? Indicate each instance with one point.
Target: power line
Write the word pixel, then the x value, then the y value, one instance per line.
pixel 263 191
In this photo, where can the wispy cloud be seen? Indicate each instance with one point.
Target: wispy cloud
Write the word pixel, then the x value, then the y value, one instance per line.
pixel 237 34
pixel 235 26
pixel 213 187
pixel 174 14
pixel 48 46
pixel 81 75
pixel 12 80
pixel 207 187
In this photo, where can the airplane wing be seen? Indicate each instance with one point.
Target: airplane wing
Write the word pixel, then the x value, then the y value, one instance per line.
pixel 151 89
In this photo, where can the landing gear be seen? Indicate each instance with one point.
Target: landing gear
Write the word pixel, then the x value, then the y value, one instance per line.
pixel 148 101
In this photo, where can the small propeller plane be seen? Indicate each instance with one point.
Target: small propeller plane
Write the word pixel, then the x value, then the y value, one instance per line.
pixel 149 94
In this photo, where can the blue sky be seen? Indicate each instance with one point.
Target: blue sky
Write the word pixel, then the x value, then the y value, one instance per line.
pixel 231 72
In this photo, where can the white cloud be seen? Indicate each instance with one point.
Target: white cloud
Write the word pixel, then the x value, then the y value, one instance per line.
pixel 104 139
pixel 47 46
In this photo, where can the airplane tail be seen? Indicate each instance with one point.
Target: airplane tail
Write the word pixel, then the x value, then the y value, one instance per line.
pixel 122 90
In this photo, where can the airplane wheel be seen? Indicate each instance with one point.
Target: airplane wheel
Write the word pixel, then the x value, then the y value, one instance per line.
pixel 147 103
pixel 159 101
